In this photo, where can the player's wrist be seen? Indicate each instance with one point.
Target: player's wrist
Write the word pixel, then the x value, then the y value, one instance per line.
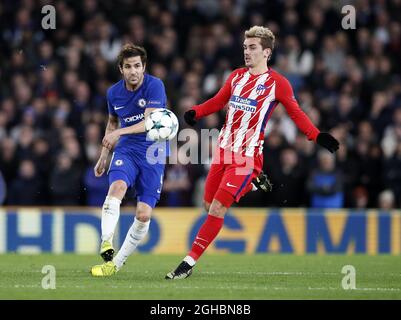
pixel 104 154
pixel 118 132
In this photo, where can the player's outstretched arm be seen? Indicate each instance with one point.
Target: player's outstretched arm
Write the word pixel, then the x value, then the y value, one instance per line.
pixel 100 166
pixel 286 96
pixel 208 107
pixel 212 105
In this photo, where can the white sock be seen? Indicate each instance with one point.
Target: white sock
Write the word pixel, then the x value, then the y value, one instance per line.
pixel 110 216
pixel 134 236
pixel 191 261
pixel 254 187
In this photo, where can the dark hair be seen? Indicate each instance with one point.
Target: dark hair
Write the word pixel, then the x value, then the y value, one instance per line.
pixel 130 50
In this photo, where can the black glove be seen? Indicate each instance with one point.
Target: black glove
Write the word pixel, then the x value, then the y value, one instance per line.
pixel 326 140
pixel 262 182
pixel 189 117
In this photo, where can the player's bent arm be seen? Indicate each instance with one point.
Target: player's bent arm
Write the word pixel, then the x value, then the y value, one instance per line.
pixel 112 125
pixel 136 128
pixel 110 139
pixel 100 166
pixel 286 96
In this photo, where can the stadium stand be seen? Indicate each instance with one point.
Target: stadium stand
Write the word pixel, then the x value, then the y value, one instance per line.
pixel 53 83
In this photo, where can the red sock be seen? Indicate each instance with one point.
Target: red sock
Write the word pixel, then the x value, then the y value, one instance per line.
pixel 206 235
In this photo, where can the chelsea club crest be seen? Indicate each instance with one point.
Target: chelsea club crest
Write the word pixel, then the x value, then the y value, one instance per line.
pixel 142 103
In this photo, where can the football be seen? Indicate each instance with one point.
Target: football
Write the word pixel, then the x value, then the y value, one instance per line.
pixel 161 124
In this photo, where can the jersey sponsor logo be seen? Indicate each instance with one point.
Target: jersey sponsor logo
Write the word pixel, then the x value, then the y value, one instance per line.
pixel 118 162
pixel 142 103
pixel 245 101
pixel 243 104
pixel 134 118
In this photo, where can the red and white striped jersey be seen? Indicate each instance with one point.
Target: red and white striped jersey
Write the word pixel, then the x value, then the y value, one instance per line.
pixel 251 100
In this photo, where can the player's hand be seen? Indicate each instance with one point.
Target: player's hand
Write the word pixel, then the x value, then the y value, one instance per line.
pixel 326 140
pixel 100 166
pixel 110 139
pixel 189 117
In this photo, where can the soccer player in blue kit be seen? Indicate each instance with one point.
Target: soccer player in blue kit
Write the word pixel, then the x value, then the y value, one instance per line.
pixel 129 101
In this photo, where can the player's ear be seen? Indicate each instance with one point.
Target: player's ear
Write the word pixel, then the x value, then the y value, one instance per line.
pixel 121 69
pixel 267 53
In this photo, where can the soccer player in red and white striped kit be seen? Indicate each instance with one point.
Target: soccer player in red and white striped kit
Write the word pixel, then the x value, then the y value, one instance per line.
pixel 252 93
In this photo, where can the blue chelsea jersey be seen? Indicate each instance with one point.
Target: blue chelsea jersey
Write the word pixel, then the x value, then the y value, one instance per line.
pixel 129 107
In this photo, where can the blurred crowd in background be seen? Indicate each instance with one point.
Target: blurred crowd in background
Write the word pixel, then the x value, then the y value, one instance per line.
pixel 53 84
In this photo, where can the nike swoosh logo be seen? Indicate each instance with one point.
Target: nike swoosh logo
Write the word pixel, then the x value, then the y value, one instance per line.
pixel 201 239
pixel 118 108
pixel 230 185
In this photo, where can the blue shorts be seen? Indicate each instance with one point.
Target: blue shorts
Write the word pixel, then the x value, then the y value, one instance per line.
pixel 145 178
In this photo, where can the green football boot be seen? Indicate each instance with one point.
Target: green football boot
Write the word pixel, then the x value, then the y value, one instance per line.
pixel 106 251
pixel 106 269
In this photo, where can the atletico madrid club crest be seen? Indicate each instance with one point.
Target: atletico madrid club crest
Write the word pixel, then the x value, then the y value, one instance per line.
pixel 260 89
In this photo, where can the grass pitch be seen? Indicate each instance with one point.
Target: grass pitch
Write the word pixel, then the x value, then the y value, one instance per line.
pixel 227 276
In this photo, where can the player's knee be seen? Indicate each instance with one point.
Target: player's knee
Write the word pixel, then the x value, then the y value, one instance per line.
pixel 143 212
pixel 222 200
pixel 142 216
pixel 118 188
pixel 217 209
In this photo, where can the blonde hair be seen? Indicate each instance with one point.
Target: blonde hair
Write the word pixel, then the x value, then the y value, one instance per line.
pixel 264 34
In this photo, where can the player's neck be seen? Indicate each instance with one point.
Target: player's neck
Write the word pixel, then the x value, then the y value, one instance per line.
pixel 133 88
pixel 262 68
